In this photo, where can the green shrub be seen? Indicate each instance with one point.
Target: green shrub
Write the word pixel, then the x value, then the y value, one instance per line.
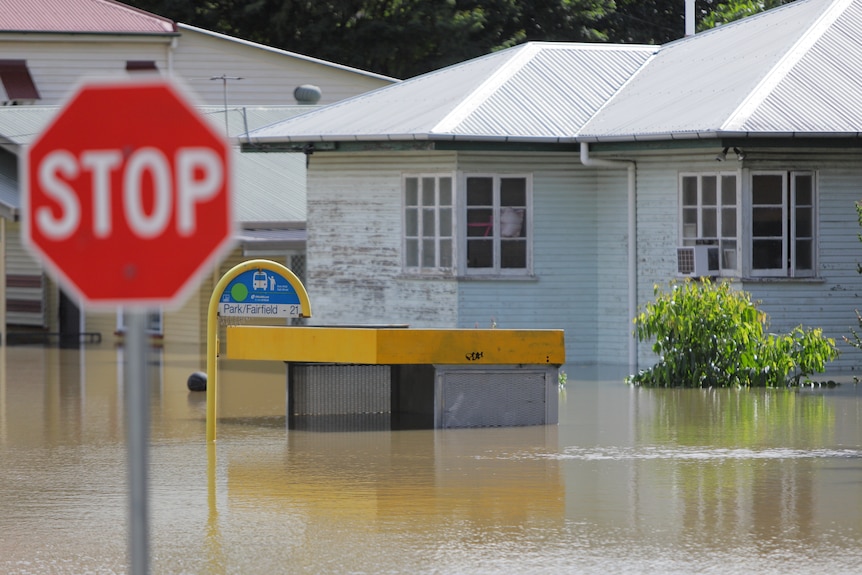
pixel 710 335
pixel 856 340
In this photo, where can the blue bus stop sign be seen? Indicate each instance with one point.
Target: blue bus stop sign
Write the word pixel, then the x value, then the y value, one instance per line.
pixel 260 293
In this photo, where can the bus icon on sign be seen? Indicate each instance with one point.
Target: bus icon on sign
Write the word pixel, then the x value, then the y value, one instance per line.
pixel 258 280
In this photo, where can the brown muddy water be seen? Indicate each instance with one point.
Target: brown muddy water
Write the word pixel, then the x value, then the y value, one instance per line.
pixel 630 481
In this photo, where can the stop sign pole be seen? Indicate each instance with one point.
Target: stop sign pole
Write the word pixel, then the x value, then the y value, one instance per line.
pixel 137 442
pixel 127 202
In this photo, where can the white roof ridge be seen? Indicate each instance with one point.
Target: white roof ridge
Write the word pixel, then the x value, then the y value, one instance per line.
pixel 755 98
pixel 619 89
pixel 488 88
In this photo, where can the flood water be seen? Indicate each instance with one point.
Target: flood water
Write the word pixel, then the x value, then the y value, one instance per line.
pixel 630 481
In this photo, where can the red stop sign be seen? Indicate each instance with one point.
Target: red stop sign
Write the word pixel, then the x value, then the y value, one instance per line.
pixel 127 195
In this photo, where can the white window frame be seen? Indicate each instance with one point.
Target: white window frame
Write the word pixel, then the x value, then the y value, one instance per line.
pixel 728 243
pixel 789 236
pixel 445 245
pixel 496 270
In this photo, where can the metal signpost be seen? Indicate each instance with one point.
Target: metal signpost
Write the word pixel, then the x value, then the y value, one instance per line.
pixel 253 289
pixel 127 202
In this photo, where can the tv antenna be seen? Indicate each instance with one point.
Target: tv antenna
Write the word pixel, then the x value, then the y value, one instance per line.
pixel 224 80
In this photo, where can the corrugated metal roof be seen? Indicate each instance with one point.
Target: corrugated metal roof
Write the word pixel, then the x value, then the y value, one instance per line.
pixel 269 187
pixel 793 70
pixel 790 70
pixel 553 93
pixel 822 92
pixel 409 107
pixel 19 125
pixel 535 91
pixel 79 16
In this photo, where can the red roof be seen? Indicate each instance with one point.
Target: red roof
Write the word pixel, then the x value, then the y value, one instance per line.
pixel 80 16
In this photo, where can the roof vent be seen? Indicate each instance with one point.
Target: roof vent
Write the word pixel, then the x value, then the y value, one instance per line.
pixel 307 94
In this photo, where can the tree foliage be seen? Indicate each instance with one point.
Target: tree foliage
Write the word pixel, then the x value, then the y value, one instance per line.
pixel 403 38
pixel 731 10
pixel 710 335
pixel 855 339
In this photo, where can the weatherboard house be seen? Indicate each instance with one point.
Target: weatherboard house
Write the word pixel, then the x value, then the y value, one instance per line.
pixel 553 185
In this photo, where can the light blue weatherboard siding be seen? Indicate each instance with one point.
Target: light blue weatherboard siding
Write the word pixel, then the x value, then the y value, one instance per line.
pixel 577 222
pixel 827 301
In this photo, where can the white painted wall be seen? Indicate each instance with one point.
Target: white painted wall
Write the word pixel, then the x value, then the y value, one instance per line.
pixel 58 62
pixel 58 66
pixel 354 243
pixel 269 76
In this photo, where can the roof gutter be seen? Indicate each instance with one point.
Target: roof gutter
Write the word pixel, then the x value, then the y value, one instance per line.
pixel 717 135
pixel 631 168
pixel 250 138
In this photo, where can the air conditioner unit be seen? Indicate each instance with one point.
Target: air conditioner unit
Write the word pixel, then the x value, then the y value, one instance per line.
pixel 697 261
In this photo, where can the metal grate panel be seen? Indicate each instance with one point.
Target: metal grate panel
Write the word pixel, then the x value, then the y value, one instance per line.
pixel 330 389
pixel 685 261
pixel 493 398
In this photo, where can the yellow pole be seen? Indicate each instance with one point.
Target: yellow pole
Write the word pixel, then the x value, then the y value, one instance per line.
pixel 212 361
pixel 212 326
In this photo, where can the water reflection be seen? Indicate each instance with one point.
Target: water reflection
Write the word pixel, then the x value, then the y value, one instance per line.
pixel 632 480
pixel 741 458
pixel 412 474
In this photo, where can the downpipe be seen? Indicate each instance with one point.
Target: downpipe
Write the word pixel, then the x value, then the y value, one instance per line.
pixel 631 167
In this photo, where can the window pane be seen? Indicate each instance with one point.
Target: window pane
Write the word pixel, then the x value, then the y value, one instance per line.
pixel 513 192
pixel 766 254
pixel 480 253
pixel 728 190
pixel 710 224
pixel 709 191
pixel 728 255
pixel 513 254
pixel 428 220
pixel 446 222
pixel 728 222
pixel 767 189
pixel 804 254
pixel 428 223
pixel 689 191
pixel 496 222
pixel 512 222
pixel 445 191
pixel 428 192
pixel 480 191
pixel 689 216
pixel 411 222
pixel 411 254
pixel 689 223
pixel 767 222
pixel 428 255
pixel 411 191
pixel 446 253
pixel 804 190
pixel 804 220
pixel 480 223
